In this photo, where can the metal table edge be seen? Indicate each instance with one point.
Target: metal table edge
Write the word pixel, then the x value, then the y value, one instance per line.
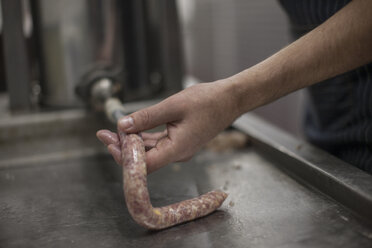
pixel 335 178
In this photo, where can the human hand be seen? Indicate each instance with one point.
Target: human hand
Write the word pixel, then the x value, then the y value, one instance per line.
pixel 192 118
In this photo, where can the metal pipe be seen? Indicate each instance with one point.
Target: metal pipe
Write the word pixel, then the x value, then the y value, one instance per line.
pixel 114 109
pixel 102 98
pixel 16 59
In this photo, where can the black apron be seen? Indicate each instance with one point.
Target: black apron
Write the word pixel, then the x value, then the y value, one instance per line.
pixel 338 110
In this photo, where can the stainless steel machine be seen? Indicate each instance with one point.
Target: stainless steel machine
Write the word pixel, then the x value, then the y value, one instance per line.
pixel 59 187
pixel 55 51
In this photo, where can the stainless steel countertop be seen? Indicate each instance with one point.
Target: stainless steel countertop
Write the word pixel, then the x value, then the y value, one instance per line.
pixel 77 201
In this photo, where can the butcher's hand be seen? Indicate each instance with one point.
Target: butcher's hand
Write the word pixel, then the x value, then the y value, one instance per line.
pixel 197 114
pixel 191 117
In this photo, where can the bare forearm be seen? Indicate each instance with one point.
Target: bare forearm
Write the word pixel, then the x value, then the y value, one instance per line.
pixel 342 43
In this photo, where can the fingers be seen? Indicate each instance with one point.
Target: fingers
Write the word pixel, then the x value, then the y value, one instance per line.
pixel 115 151
pixel 151 139
pixel 156 115
pixel 162 154
pixel 111 140
pixel 159 152
pixel 149 144
pixel 154 136
pixel 107 137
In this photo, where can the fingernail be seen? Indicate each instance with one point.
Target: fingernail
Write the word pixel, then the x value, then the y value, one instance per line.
pixel 126 123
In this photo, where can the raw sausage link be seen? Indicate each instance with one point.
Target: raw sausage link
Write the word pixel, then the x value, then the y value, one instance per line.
pixel 137 196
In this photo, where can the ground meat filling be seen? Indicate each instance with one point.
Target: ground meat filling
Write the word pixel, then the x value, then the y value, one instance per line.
pixel 137 197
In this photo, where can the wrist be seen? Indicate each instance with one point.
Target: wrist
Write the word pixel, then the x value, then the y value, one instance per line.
pixel 249 90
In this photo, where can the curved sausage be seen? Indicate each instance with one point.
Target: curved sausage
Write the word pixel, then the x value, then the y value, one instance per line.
pixel 137 196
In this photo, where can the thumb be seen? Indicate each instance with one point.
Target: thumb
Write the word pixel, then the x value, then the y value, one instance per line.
pixel 149 118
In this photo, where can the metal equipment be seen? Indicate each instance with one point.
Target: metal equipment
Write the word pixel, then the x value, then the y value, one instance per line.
pixel 74 43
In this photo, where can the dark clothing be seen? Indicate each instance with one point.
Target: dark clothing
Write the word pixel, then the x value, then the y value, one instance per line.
pixel 339 110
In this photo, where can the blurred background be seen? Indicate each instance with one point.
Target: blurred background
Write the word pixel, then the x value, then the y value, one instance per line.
pixel 53 51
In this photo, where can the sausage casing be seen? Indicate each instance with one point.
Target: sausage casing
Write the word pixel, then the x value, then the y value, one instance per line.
pixel 137 197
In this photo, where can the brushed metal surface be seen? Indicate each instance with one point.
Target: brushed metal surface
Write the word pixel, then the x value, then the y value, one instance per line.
pixel 70 194
pixel 80 203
